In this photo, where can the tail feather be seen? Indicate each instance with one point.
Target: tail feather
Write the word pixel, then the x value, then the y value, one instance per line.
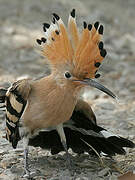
pixel 2 98
pixel 109 146
pixel 122 142
pixel 2 95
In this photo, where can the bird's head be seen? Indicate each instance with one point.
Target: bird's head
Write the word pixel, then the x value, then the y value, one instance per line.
pixel 74 56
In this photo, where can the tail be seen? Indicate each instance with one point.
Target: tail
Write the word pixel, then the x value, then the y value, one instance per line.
pixel 80 133
pixel 2 98
pixel 76 139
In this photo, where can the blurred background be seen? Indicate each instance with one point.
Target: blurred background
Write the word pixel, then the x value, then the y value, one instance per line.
pixel 20 26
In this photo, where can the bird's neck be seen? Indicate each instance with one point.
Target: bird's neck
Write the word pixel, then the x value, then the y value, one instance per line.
pixel 52 83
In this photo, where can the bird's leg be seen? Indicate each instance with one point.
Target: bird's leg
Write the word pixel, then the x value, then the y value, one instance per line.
pixel 26 165
pixel 61 133
pixel 27 173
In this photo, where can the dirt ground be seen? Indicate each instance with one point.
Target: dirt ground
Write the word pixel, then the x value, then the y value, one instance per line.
pixel 20 25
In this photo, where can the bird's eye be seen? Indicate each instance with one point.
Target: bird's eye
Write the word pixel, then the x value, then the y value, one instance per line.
pixel 67 75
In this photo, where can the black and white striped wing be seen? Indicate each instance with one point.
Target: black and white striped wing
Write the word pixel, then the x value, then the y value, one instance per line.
pixel 15 102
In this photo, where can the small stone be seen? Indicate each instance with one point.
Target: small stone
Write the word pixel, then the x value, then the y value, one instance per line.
pixel 1 152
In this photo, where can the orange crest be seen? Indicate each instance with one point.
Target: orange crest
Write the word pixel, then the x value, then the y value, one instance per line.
pixel 84 51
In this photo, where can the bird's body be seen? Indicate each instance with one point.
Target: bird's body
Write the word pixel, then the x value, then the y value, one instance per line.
pixel 52 101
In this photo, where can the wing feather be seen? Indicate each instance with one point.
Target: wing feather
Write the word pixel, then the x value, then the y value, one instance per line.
pixel 15 102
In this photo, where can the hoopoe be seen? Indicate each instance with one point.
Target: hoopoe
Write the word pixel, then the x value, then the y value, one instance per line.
pixel 52 102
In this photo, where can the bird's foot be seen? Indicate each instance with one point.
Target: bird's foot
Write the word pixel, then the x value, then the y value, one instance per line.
pixel 28 174
pixel 70 165
pixel 69 162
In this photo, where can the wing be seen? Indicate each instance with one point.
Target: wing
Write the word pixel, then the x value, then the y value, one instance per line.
pixel 80 131
pixel 83 111
pixel 15 103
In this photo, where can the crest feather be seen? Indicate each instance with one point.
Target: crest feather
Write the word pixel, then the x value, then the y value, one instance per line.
pixel 58 46
pixel 83 51
pixel 73 29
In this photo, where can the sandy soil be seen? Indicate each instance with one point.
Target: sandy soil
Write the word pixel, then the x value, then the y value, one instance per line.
pixel 20 25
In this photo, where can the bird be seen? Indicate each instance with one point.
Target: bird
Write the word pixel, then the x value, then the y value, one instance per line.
pixel 81 130
pixel 50 107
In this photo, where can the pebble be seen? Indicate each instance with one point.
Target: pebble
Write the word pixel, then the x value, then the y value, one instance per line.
pixel 2 151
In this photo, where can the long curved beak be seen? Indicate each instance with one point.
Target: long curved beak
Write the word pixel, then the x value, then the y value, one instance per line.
pixel 97 85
